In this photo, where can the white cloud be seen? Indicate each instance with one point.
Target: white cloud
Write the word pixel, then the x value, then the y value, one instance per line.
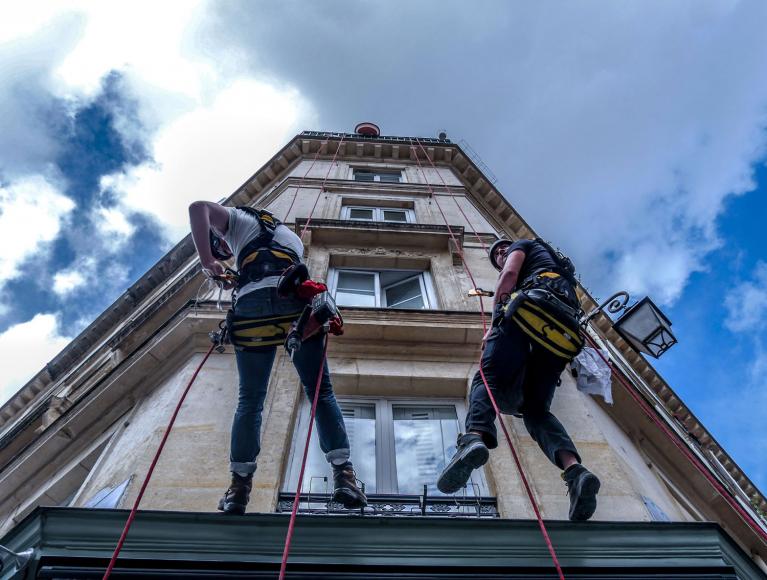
pixel 112 223
pixel 208 152
pixel 25 348
pixel 31 213
pixel 67 281
pixel 746 303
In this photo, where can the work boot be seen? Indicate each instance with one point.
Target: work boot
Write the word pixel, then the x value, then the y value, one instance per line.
pixel 236 497
pixel 470 455
pixel 345 490
pixel 582 486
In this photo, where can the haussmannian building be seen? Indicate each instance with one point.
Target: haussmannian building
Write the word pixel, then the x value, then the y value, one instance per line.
pixel 77 440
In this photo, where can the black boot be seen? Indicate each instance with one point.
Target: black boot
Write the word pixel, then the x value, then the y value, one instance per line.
pixel 470 455
pixel 582 486
pixel 236 497
pixel 345 490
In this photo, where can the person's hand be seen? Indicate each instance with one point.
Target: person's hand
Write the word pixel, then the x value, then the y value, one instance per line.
pixel 216 272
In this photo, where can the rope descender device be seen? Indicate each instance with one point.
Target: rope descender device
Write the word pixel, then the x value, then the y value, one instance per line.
pixel 320 315
pixel 481 292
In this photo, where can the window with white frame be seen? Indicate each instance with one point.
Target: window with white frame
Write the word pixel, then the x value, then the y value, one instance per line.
pixel 398 446
pixel 387 176
pixel 378 214
pixel 410 289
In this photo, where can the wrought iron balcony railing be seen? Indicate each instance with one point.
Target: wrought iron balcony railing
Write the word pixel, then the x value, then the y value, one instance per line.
pixel 395 505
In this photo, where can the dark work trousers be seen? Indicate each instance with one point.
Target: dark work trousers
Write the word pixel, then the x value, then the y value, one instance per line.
pixel 255 368
pixel 523 377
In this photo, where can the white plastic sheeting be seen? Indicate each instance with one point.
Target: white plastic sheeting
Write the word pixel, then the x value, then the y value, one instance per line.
pixel 592 374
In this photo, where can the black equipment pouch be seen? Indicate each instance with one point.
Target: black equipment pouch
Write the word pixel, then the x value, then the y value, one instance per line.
pixel 253 334
pixel 546 319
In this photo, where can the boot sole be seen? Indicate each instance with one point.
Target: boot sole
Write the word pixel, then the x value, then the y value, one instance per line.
pixel 586 504
pixel 231 508
pixel 349 499
pixel 455 476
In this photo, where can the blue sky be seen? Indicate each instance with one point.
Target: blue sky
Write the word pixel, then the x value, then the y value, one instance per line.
pixel 632 134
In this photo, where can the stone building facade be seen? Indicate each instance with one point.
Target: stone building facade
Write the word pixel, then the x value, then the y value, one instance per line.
pixel 379 214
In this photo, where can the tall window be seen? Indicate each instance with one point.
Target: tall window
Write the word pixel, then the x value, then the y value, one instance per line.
pixel 397 447
pixel 389 176
pixel 382 288
pixel 378 214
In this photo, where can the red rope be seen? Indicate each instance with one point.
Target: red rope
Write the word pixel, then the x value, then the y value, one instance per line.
pixel 140 495
pixel 322 188
pixel 301 184
pixel 297 498
pixel 442 179
pixel 518 463
pixel 678 442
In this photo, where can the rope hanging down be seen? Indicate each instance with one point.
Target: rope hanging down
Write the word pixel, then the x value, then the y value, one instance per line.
pixel 517 461
pixel 678 442
pixel 140 495
pixel 297 498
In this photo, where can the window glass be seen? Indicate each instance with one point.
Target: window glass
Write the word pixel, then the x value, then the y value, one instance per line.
pixel 357 213
pixel 407 294
pixel 391 176
pixel 394 215
pixel 360 421
pixel 424 441
pixel 356 288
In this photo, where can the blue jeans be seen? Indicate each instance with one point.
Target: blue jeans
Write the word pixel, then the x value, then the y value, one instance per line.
pixel 523 377
pixel 254 369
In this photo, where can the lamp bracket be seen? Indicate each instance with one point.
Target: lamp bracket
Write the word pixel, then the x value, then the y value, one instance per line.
pixel 614 303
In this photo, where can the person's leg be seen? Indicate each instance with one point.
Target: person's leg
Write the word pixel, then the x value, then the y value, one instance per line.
pixel 539 386
pixel 254 369
pixel 331 430
pixel 543 373
pixel 502 362
pixel 329 420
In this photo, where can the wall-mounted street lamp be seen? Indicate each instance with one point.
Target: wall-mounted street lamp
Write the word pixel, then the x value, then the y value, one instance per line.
pixel 642 325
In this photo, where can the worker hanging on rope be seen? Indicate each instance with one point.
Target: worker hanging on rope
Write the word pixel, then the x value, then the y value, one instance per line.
pixel 534 334
pixel 258 322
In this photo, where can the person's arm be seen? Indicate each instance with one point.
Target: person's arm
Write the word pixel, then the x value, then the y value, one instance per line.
pixel 507 280
pixel 203 215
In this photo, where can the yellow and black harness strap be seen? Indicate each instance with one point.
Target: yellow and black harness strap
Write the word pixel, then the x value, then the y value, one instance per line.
pixel 255 333
pixel 276 253
pixel 545 329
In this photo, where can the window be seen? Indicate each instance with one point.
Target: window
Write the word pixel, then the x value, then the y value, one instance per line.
pixel 382 289
pixel 378 214
pixel 388 176
pixel 397 447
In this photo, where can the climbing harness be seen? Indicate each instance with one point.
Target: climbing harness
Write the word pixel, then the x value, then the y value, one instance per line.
pixel 262 256
pixel 514 454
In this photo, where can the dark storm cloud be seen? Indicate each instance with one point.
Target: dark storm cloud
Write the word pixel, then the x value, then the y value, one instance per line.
pixel 638 118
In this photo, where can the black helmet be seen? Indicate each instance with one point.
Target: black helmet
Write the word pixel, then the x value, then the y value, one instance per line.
pixel 219 251
pixel 494 247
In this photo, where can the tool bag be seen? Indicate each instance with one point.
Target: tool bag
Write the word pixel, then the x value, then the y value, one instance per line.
pixel 545 318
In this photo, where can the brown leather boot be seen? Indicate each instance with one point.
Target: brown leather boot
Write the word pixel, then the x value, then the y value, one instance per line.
pixel 236 497
pixel 345 490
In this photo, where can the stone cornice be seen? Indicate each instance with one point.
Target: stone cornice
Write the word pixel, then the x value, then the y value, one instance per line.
pixel 502 547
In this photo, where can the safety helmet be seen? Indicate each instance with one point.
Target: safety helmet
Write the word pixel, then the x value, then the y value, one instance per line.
pixel 494 247
pixel 217 248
